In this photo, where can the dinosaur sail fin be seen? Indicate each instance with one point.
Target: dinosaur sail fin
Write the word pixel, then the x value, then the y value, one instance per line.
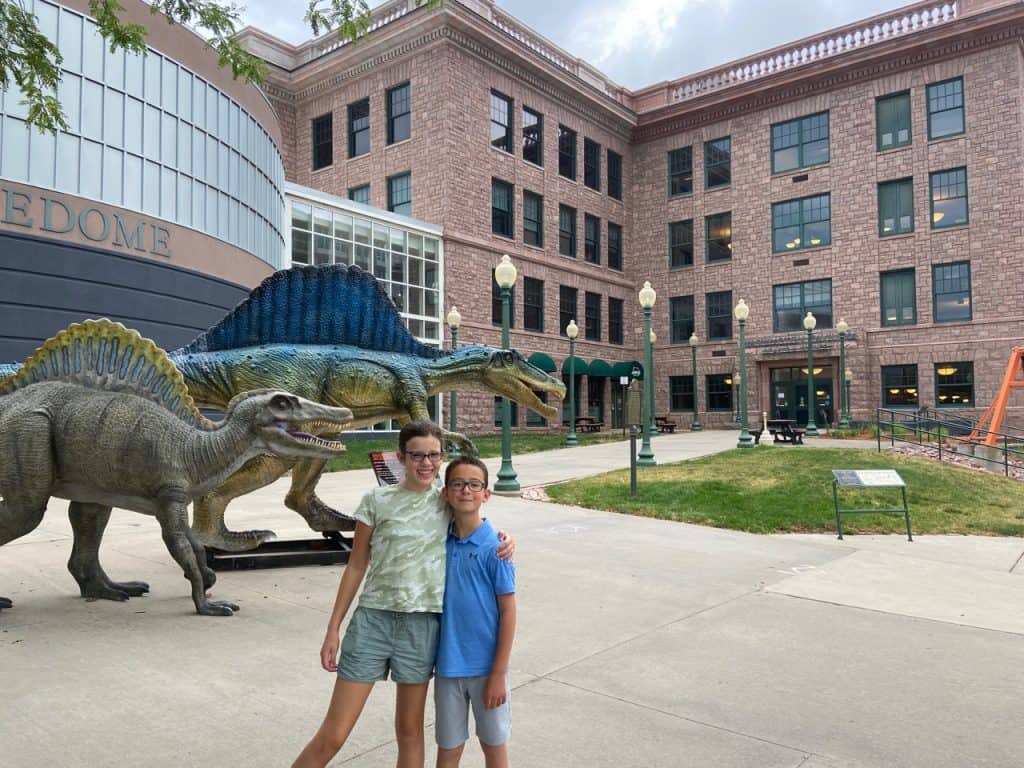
pixel 332 304
pixel 102 354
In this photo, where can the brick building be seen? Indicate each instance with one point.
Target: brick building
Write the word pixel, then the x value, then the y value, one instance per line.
pixel 869 173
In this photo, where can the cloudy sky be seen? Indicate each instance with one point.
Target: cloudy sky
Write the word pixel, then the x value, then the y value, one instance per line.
pixel 641 42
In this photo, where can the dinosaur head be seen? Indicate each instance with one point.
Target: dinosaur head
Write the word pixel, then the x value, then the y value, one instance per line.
pixel 504 372
pixel 287 424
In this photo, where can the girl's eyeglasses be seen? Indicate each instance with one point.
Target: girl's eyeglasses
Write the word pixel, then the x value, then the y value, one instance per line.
pixel 419 457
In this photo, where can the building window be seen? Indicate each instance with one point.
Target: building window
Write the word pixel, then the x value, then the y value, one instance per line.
pixel 946 108
pixel 793 301
pixel 899 298
pixel 800 143
pixel 533 219
pixel 954 385
pixel 680 319
pixel 591 238
pixel 323 141
pixel 614 247
pixel 949 198
pixel 534 419
pixel 359 128
pixel 892 121
pixel 533 304
pixel 566 152
pixel 719 389
pixel 680 393
pixel 718 245
pixel 400 194
pixel 718 309
pixel 567 306
pixel 680 171
pixel 896 207
pixel 899 386
pixel 496 303
pixel 615 307
pixel 360 194
pixel 592 315
pixel 399 113
pixel 718 163
pixel 513 418
pixel 614 175
pixel 680 244
pixel 567 231
pixel 803 223
pixel 533 136
pixel 501 208
pixel 951 285
pixel 501 122
pixel 592 164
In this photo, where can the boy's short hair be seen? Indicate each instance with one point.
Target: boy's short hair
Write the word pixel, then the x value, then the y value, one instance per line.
pixel 416 429
pixel 471 461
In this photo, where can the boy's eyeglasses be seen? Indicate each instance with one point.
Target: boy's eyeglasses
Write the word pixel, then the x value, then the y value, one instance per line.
pixel 434 457
pixel 473 485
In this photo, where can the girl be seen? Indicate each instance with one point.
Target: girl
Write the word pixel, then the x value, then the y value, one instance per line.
pixel 399 546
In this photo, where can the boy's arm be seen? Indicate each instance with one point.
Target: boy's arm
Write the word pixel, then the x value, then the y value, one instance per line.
pixel 355 570
pixel 496 689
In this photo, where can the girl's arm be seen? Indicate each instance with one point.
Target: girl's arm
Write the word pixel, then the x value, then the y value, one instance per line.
pixel 355 570
pixel 496 687
pixel 506 546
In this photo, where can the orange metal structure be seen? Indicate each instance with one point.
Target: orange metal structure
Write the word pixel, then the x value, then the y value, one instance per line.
pixel 993 416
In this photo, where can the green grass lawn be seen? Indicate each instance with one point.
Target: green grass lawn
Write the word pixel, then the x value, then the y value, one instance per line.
pixel 771 489
pixel 488 445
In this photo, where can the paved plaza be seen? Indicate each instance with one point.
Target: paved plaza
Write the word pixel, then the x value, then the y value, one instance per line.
pixel 641 643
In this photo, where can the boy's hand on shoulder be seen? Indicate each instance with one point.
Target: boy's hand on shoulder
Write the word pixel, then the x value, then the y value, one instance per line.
pixel 329 652
pixel 495 690
pixel 507 548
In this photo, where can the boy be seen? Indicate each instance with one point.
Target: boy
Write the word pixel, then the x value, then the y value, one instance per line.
pixel 477 626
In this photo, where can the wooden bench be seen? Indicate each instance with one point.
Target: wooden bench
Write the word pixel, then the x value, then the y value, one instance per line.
pixel 665 424
pixel 588 424
pixel 783 431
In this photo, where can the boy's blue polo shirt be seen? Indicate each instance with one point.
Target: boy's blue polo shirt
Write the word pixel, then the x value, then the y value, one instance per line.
pixel 474 577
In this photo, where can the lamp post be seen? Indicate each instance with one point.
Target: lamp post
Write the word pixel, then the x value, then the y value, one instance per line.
pixel 647 298
pixel 572 331
pixel 848 381
pixel 654 424
pixel 505 276
pixel 809 323
pixel 742 311
pixel 695 422
pixel 454 321
pixel 842 327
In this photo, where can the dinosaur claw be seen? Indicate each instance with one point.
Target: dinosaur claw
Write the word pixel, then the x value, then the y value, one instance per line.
pixel 131 588
pixel 217 608
pixel 321 517
pixel 236 541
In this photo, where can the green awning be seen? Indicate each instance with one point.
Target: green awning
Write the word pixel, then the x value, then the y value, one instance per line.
pixel 599 368
pixel 544 362
pixel 627 369
pixel 579 366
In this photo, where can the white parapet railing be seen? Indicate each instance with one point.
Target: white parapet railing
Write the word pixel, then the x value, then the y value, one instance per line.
pixel 856 36
pixel 381 16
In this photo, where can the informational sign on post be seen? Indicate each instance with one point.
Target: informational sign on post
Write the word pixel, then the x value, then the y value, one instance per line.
pixel 634 405
pixel 869 478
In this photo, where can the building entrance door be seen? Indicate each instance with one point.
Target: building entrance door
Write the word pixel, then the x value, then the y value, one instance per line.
pixel 789 394
pixel 618 400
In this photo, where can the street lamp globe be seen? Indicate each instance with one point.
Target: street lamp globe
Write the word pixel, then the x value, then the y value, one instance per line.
pixel 654 337
pixel 505 273
pixel 742 311
pixel 849 375
pixel 694 341
pixel 647 295
pixel 810 322
pixel 572 330
pixel 841 326
pixel 454 318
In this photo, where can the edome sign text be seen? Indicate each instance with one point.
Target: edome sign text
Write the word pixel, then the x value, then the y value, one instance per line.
pixel 59 217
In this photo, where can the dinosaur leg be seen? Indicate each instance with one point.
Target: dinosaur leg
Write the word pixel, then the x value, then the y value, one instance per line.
pixel 173 517
pixel 15 521
pixel 208 511
pixel 88 521
pixel 303 499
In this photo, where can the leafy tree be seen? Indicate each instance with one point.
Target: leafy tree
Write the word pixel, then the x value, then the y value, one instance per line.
pixel 33 62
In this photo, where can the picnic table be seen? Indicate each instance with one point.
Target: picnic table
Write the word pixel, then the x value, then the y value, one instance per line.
pixel 785 431
pixel 588 424
pixel 665 424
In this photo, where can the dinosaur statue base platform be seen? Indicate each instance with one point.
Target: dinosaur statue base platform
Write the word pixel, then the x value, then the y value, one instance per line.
pixel 332 549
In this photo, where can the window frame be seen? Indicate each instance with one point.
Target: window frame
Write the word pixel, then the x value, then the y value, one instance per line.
pixel 535 236
pixel 709 146
pixel 722 391
pixel 673 245
pixel 708 239
pixel 591 164
pixel 935 292
pixel 591 239
pixel 614 179
pixel 533 304
pixel 616 320
pixel 678 320
pixel 319 144
pixel 535 143
pixel 801 142
pixel 931 112
pixel 723 312
pixel 680 169
pixel 566 157
pixel 614 254
pixel 591 316
pixel 391 192
pixel 509 126
pixel 899 185
pixel 393 117
pixel 354 133
pixel 564 233
pixel 353 190
pixel 673 393
pixel 882 101
pixel 903 382
pixel 940 386
pixel 802 205
pixel 966 198
pixel 496 304
pixel 564 293
pixel 900 276
pixel 509 189
pixel 804 306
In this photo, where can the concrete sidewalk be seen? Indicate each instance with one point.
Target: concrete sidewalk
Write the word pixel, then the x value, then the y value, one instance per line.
pixel 641 643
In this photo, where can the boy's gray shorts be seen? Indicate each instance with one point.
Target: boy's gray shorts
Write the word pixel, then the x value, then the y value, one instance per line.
pixel 452 699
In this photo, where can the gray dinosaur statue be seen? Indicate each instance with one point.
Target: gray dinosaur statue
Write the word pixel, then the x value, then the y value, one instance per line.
pixel 100 416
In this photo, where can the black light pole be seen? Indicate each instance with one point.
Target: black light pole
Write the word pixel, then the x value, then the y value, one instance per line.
pixel 844 419
pixel 809 323
pixel 695 423
pixel 647 299
pixel 454 321
pixel 742 311
pixel 507 482
pixel 572 331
